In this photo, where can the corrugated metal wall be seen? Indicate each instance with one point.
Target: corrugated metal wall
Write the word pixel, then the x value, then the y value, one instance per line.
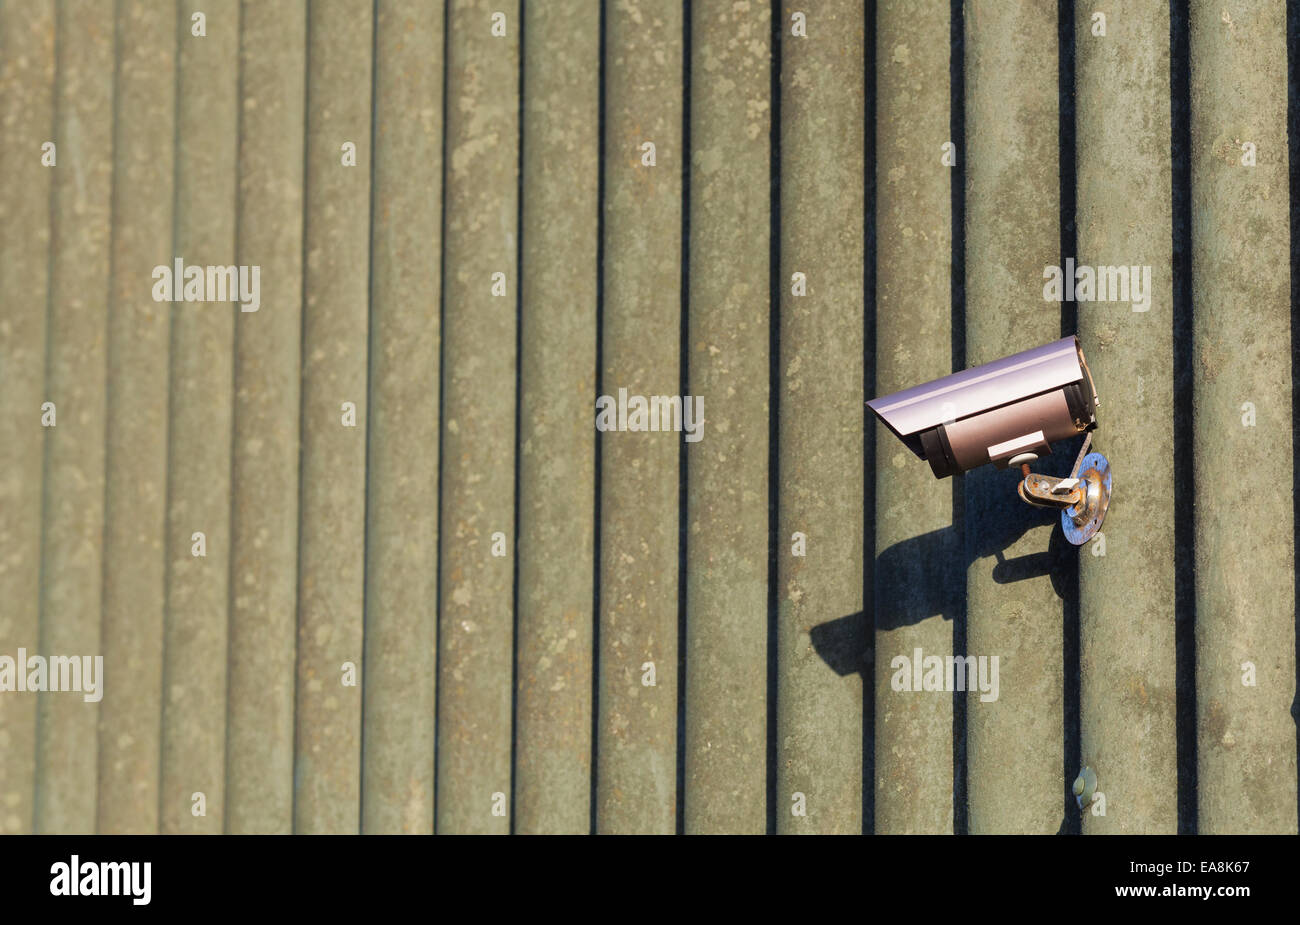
pixel 359 560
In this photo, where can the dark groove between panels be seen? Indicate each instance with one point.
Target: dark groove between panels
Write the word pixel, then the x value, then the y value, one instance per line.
pixel 774 406
pixel 1293 173
pixel 683 371
pixel 868 627
pixel 1184 470
pixel 1071 694
pixel 442 365
pixel 957 131
pixel 600 359
pixel 519 392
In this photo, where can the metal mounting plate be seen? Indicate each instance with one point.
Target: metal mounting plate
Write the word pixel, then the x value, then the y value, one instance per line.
pixel 1082 521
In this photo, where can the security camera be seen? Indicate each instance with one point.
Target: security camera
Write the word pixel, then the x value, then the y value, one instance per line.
pixel 1008 413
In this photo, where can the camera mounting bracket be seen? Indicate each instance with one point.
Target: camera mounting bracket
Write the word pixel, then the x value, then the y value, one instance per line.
pixel 1082 498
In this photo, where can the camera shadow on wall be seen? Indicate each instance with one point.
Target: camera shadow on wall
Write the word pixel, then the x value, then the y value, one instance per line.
pixel 924 577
